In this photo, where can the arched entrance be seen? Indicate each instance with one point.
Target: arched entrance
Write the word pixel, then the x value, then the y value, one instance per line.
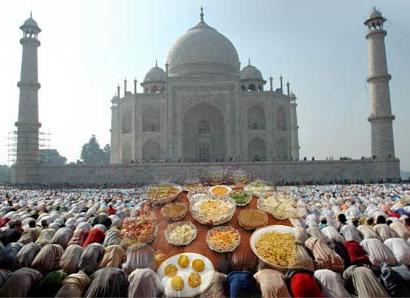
pixel 203 134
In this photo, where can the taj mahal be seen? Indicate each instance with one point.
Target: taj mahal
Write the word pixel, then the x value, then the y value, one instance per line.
pixel 205 109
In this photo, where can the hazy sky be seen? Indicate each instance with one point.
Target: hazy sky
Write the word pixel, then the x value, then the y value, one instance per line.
pixel 318 45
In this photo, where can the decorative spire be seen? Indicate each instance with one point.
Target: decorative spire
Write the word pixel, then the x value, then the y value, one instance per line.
pixel 202 14
pixel 156 63
pixel 31 14
pixel 249 61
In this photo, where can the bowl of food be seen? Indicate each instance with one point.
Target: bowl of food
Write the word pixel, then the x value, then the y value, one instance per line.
pixel 185 275
pixel 239 176
pixel 138 230
pixel 275 246
pixel 241 198
pixel 215 176
pixel 208 210
pixel 174 211
pixel 220 190
pixel 180 233
pixel 279 205
pixel 194 192
pixel 163 193
pixel 258 188
pixel 252 219
pixel 223 239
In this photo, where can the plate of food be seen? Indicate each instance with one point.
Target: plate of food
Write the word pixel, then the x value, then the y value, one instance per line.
pixel 239 176
pixel 208 210
pixel 220 190
pixel 180 233
pixel 223 239
pixel 186 275
pixel 192 184
pixel 279 205
pixel 275 245
pixel 138 230
pixel 163 193
pixel 194 192
pixel 258 188
pixel 252 219
pixel 174 211
pixel 241 198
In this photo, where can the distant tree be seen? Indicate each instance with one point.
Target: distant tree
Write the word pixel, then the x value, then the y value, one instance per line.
pixel 4 174
pixel 92 153
pixel 51 157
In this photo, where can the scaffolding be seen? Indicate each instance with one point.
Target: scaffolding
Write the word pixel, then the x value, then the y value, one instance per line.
pixel 44 142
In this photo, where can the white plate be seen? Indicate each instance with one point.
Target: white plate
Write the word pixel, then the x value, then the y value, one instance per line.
pixel 228 190
pixel 206 276
pixel 259 232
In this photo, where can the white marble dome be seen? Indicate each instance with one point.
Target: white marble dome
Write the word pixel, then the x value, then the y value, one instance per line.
pixel 155 74
pixel 251 73
pixel 203 50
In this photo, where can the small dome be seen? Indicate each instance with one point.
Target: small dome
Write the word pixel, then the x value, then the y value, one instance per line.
pixel 155 74
pixel 251 73
pixel 375 14
pixel 30 24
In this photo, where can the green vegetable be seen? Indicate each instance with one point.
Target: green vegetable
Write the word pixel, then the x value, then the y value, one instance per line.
pixel 240 197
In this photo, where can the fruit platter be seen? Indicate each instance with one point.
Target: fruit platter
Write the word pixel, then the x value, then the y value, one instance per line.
pixel 186 275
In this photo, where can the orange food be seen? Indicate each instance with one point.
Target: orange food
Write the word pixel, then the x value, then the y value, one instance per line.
pixel 219 190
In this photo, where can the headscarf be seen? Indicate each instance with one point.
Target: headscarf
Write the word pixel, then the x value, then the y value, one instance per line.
pixel 90 257
pixel 49 285
pixel 27 254
pixel 62 236
pixel 20 283
pixel 29 235
pixel 80 233
pixel 139 257
pixel 350 232
pixel 112 237
pixel 271 283
pixel 113 256
pixel 331 282
pixel 48 259
pixel 302 283
pixel 70 258
pixel 75 285
pixel 108 282
pixel 45 236
pixel 241 284
pixel 365 282
pixel 143 283
pixel 96 235
pixel 8 256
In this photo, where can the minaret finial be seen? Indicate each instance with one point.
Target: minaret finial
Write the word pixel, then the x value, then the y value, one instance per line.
pixel 31 14
pixel 156 63
pixel 249 61
pixel 202 14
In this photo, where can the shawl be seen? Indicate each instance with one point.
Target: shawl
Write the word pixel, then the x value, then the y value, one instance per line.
pixel 217 287
pixel 29 235
pixel 20 283
pixel 332 283
pixel 350 233
pixel 241 284
pixel 357 255
pixel 95 235
pixel 139 257
pixel 143 283
pixel 62 236
pixel 302 283
pixel 377 252
pixel 48 259
pixel 70 258
pixel 27 254
pixel 78 237
pixel 324 257
pixel 365 282
pixel 271 283
pixel 400 249
pixel 112 237
pixel 384 232
pixel 400 229
pixel 49 285
pixel 90 258
pixel 367 232
pixel 75 285
pixel 108 282
pixel 45 237
pixel 8 255
pixel 331 233
pixel 113 256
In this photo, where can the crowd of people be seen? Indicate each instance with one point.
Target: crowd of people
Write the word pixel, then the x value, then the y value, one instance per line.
pixel 352 240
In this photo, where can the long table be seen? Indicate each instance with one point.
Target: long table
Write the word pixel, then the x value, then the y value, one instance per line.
pixel 241 259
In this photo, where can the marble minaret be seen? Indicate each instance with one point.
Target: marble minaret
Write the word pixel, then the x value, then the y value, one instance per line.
pixel 28 158
pixel 381 117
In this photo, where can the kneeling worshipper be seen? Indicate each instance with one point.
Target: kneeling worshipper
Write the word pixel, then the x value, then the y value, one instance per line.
pixel 396 280
pixel 302 283
pixel 48 259
pixel 80 233
pixel 90 258
pixel 49 285
pixel 377 252
pixel 96 235
pixel 27 253
pixel 144 283
pixel 108 282
pixel 401 250
pixel 383 230
pixel 332 283
pixel 113 256
pixel 20 283
pixel 241 284
pixel 75 285
pixel 271 283
pixel 400 229
pixel 71 258
pixel 8 256
pixel 139 257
